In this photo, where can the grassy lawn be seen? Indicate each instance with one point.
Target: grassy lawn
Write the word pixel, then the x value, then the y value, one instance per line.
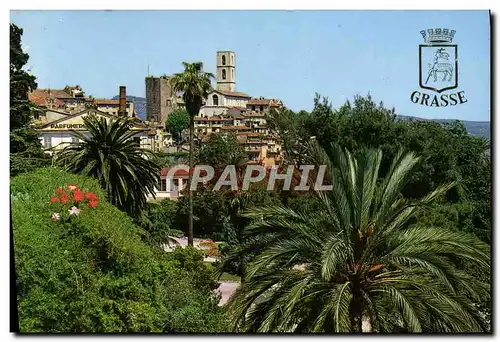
pixel 229 277
pixel 225 276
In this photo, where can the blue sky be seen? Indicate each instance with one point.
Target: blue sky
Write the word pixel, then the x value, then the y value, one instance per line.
pixel 288 55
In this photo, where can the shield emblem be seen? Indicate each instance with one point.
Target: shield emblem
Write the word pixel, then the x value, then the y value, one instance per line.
pixel 438 67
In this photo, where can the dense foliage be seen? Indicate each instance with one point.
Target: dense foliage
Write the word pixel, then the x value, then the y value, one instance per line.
pixel 359 260
pixel 26 153
pixel 111 155
pixel 221 150
pixel 159 221
pixel 95 274
pixel 448 152
pixel 177 122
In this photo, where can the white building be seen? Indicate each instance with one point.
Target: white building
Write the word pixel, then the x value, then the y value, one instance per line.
pixel 59 132
pixel 171 188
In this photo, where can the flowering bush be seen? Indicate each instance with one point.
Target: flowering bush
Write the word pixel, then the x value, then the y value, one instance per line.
pixel 70 201
pixel 94 273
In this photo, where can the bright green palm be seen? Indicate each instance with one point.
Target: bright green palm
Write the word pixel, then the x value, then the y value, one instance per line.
pixel 195 84
pixel 109 153
pixel 360 259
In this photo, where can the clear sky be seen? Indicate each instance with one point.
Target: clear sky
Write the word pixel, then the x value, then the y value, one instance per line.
pixel 288 55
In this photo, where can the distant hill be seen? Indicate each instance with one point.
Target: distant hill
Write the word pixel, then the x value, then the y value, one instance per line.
pixel 477 128
pixel 139 105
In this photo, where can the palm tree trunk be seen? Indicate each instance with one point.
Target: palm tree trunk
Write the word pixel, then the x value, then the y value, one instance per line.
pixel 355 307
pixel 356 317
pixel 191 133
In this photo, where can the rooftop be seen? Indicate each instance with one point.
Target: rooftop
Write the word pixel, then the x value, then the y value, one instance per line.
pixel 106 102
pixel 264 102
pixel 42 96
pixel 232 93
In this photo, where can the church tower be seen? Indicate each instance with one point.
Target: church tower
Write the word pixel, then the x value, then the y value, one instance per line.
pixel 226 71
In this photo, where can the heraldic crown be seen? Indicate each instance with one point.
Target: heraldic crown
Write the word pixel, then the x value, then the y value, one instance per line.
pixel 435 36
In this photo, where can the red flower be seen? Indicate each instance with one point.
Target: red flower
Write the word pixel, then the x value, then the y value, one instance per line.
pixel 59 190
pixel 54 200
pixel 90 196
pixel 64 198
pixel 78 196
pixel 93 202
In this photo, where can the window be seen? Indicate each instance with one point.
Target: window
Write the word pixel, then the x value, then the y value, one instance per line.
pixel 162 185
pixel 232 73
pixel 215 98
pixel 223 74
pixel 261 108
pixel 232 60
pixel 253 107
pixel 223 60
pixel 48 141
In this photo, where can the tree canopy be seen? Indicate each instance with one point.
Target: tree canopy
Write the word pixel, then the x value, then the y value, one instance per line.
pixel 26 153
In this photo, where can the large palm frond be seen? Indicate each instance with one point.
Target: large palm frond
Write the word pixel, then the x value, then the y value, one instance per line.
pixel 360 263
pixel 110 154
pixel 195 84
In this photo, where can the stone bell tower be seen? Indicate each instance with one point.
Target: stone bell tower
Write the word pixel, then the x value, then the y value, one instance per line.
pixel 226 71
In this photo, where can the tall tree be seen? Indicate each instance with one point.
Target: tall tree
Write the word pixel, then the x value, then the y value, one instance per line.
pixel 26 151
pixel 124 169
pixel 177 122
pixel 195 85
pixel 360 263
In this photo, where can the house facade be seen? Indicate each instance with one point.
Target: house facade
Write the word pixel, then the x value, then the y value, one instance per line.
pixel 59 133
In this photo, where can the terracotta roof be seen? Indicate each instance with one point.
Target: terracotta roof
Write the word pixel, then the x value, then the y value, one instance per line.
pixel 42 96
pixel 180 173
pixel 213 118
pixel 106 102
pixel 208 106
pixel 258 102
pixel 264 102
pixel 232 93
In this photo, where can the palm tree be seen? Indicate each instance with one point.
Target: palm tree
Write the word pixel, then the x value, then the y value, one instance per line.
pixel 195 85
pixel 110 154
pixel 361 264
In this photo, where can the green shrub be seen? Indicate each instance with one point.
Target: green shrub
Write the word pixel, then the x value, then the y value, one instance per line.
pixel 95 274
pixel 190 260
pixel 157 221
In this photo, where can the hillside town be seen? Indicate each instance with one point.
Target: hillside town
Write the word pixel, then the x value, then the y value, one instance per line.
pixel 224 111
